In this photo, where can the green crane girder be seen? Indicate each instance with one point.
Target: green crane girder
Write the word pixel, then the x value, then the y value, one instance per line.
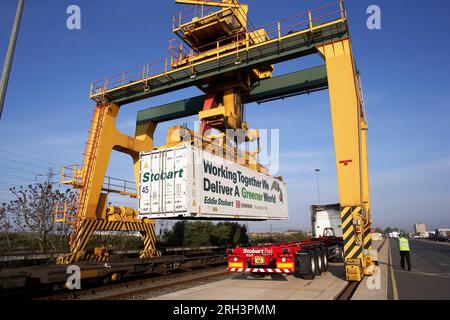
pixel 292 46
pixel 299 82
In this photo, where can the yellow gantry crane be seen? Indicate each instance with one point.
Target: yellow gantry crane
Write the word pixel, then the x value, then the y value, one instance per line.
pixel 207 34
pixel 231 62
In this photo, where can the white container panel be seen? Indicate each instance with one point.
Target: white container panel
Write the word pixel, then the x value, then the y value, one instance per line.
pixel 185 182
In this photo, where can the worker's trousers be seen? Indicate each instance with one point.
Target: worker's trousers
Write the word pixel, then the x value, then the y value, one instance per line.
pixel 405 255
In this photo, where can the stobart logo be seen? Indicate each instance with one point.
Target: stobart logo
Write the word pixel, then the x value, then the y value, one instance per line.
pixel 257 251
pixel 149 176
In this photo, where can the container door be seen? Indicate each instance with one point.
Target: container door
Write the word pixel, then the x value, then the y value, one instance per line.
pixel 155 185
pixel 174 180
pixel 144 185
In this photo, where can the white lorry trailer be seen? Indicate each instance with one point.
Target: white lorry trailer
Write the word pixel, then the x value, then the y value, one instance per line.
pixel 188 183
pixel 326 219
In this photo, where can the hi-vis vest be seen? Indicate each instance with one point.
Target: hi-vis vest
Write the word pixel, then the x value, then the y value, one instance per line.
pixel 403 244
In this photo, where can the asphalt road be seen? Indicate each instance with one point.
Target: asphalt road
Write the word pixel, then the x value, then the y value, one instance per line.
pixel 429 278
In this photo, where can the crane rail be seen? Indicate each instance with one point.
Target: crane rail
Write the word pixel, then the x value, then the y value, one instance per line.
pixel 350 289
pixel 39 281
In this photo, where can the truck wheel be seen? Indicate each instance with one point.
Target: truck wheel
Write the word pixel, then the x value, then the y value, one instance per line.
pixel 305 265
pixel 324 257
pixel 311 267
pixel 340 255
pixel 319 261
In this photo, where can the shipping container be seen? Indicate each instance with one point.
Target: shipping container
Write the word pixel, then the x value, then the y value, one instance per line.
pixel 325 218
pixel 186 182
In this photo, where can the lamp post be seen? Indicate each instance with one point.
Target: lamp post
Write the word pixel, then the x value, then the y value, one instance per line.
pixel 318 186
pixel 10 55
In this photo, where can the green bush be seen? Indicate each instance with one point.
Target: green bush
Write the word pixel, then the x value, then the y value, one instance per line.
pixel 279 238
pixel 188 233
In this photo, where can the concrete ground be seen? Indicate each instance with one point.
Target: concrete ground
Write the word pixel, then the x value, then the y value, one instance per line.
pixel 286 287
pixel 376 287
pixel 429 278
pixel 274 287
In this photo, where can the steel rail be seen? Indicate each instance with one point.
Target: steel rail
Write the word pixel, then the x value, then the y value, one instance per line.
pixel 141 287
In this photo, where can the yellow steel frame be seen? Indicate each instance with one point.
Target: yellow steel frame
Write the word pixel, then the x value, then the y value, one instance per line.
pixel 350 140
pixel 215 144
pixel 91 211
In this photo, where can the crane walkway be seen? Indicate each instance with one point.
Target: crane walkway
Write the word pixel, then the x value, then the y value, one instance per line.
pixel 291 38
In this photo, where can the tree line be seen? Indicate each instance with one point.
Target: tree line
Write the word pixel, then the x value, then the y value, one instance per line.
pixel 201 233
pixel 28 223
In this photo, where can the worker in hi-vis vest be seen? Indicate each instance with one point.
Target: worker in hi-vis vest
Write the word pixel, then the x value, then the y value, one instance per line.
pixel 403 246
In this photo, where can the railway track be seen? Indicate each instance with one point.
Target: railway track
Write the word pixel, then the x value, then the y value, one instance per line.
pixel 153 287
pixel 158 283
pixel 146 288
pixel 351 287
pixel 39 281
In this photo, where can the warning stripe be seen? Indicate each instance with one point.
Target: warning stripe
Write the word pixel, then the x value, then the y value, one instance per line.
pixel 349 231
pixel 349 245
pixel 95 258
pixel 347 220
pixel 347 223
pixel 345 213
pixel 88 227
pixel 352 250
pixel 261 270
pixel 367 237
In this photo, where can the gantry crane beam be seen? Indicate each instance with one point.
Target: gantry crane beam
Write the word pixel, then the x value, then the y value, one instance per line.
pixel 300 82
pixel 289 47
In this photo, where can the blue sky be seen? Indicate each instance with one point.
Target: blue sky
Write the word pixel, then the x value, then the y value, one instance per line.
pixel 404 69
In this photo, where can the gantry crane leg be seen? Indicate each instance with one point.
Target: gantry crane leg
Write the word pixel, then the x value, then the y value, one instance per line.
pixel 349 127
pixel 367 233
pixel 91 211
